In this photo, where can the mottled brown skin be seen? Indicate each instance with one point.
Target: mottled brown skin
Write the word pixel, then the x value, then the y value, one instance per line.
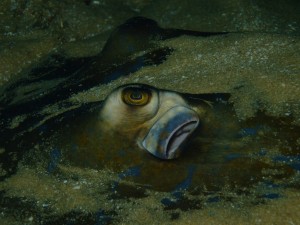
pixel 108 139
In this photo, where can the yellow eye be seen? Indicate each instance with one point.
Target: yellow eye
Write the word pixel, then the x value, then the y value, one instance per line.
pixel 136 96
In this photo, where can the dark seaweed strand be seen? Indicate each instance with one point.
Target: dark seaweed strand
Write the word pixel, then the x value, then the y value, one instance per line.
pixel 11 139
pixel 172 33
pixel 54 67
pixel 211 97
pixel 65 71
pixel 34 120
pixel 83 80
pixel 153 30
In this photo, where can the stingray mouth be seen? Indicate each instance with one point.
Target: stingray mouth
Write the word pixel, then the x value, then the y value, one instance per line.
pixel 166 137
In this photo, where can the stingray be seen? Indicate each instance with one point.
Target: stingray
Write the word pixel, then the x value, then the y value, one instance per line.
pixel 136 126
pixel 57 78
pixel 154 138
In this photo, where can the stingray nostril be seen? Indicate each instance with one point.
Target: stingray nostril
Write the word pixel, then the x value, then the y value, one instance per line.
pixel 179 136
pixel 170 131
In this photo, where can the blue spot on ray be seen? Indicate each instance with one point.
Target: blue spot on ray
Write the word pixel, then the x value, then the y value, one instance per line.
pixel 233 156
pixel 270 185
pixel 248 131
pixel 262 152
pixel 185 184
pixel 213 199
pixel 292 161
pixel 101 218
pixel 55 156
pixel 167 202
pixel 271 196
pixel 188 180
pixel 130 172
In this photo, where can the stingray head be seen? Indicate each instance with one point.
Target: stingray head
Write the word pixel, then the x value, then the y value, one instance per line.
pixel 159 121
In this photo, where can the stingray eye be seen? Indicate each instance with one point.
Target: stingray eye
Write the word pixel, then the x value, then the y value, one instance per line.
pixel 136 96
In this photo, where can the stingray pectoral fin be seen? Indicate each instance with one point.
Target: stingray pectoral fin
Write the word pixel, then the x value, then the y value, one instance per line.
pixel 169 132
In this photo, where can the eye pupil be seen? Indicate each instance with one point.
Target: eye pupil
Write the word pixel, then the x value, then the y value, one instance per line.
pixel 136 95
